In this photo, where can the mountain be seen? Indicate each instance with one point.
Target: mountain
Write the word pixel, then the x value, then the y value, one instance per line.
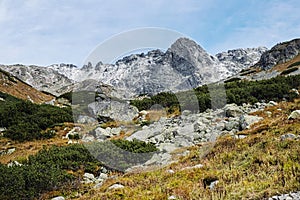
pixel 238 59
pixel 183 66
pixel 278 54
pixel 15 87
pixel 41 78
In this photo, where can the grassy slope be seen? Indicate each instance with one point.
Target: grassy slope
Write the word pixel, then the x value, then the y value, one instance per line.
pixel 258 166
pixel 15 87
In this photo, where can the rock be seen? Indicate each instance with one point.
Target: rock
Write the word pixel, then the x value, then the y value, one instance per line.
pixel 294 115
pixel 103 176
pixel 10 151
pixel 116 187
pixel 116 110
pixel 87 138
pixel 14 163
pixel 98 185
pixel 193 167
pixel 213 184
pixel 288 136
pixel 272 103
pixel 247 120
pixel 170 171
pixel 89 176
pixel 268 113
pixel 85 119
pixel 232 125
pixel 232 110
pixel 295 91
pixel 58 198
pixel 173 197
pixel 186 112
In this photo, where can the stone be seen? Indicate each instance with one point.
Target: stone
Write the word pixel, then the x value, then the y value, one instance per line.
pixel 288 136
pixel 232 110
pixel 58 198
pixel 232 125
pixel 268 113
pixel 192 167
pixel 294 115
pixel 10 151
pixel 173 197
pixel 116 110
pixel 116 187
pixel 170 171
pixel 213 184
pixel 85 119
pixel 186 112
pixel 247 120
pixel 103 176
pixel 294 90
pixel 272 103
pixel 88 138
pixel 88 176
pixel 98 185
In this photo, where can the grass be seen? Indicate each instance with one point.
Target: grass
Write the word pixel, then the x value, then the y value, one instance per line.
pixel 256 167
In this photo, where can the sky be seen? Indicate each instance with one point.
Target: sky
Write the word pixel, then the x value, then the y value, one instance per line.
pixel 45 32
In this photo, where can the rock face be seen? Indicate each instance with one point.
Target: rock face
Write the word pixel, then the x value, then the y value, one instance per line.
pixel 280 53
pixel 238 59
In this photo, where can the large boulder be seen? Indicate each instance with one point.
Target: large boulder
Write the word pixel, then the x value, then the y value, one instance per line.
pixel 116 110
pixel 247 120
pixel 232 110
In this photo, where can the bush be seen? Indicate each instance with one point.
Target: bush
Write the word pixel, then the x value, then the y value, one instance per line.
pixel 237 91
pixel 26 121
pixel 45 171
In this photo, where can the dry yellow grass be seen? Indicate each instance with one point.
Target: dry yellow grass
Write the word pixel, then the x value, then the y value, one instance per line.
pixel 22 90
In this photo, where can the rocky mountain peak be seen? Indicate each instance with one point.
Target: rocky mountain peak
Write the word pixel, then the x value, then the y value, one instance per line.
pixel 280 53
pixel 189 50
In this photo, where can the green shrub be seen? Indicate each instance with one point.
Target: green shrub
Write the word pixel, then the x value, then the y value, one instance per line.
pixel 26 121
pixel 288 71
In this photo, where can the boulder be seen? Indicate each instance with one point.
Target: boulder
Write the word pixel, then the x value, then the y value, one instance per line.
pixel 89 176
pixel 85 119
pixel 294 115
pixel 116 187
pixel 247 120
pixel 116 110
pixel 232 110
pixel 288 136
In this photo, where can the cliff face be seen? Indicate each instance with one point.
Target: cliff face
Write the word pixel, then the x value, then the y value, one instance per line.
pixel 278 54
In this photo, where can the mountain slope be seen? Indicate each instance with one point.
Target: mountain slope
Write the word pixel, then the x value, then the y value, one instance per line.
pixel 15 87
pixel 41 78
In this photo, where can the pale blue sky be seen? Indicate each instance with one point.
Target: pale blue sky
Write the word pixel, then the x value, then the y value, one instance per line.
pixel 45 32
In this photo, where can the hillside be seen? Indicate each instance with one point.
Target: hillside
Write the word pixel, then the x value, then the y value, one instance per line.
pixel 15 87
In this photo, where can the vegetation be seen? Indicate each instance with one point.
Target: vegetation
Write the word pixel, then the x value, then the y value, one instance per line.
pixel 294 64
pixel 46 171
pixel 27 121
pixel 121 154
pixel 62 167
pixel 288 71
pixel 238 92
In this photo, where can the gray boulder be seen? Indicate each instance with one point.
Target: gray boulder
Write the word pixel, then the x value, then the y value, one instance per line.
pixel 247 120
pixel 116 110
pixel 232 110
